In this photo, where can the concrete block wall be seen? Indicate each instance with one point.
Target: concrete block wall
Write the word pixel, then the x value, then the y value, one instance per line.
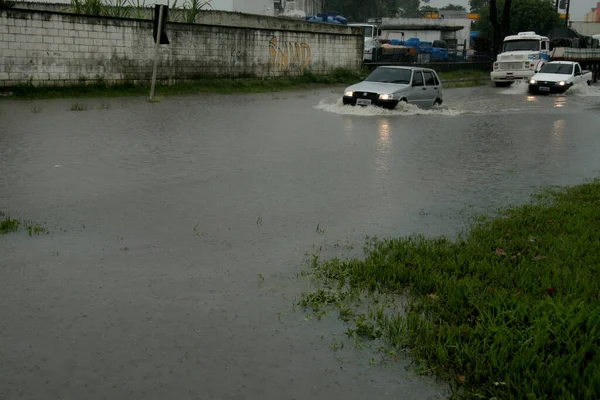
pixel 49 48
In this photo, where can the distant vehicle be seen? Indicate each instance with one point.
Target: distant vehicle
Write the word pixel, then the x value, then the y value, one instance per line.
pixel 387 86
pixel 372 35
pixel 558 77
pixel 522 55
pixel 330 18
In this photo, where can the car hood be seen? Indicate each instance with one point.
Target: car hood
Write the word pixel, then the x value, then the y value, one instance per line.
pixel 551 77
pixel 377 87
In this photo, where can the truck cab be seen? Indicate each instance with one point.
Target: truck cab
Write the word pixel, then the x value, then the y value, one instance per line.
pixel 522 55
pixel 372 35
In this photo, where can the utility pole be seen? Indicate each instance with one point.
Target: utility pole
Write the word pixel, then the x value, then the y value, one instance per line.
pixel 156 47
pixel 567 13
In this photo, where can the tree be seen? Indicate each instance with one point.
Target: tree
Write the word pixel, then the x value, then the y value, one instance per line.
pixel 361 10
pixel 498 21
pixel 478 5
pixel 454 7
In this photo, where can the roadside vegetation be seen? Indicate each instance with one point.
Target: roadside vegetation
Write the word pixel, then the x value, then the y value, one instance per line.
pixel 509 310
pixel 220 85
pixel 10 225
pixel 186 11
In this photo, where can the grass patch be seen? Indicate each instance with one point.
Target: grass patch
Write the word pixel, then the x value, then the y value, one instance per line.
pixel 78 107
pixel 203 85
pixel 207 85
pixel 464 74
pixel 10 225
pixel 509 310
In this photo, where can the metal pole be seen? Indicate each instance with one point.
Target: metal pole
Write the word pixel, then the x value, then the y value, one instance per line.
pixel 156 48
pixel 567 13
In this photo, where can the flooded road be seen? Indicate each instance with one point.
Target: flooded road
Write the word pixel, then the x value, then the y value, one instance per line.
pixel 177 229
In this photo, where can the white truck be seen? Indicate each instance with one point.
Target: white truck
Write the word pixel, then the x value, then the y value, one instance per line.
pixel 372 35
pixel 522 55
pixel 558 77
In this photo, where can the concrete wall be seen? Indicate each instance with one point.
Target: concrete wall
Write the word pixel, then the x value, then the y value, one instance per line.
pixel 586 28
pixel 56 49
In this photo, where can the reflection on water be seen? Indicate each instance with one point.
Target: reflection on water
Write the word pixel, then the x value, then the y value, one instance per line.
pixel 348 126
pixel 384 143
pixel 559 102
pixel 558 131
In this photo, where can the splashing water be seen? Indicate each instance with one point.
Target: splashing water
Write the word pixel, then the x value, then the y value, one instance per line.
pixel 578 90
pixel 584 90
pixel 516 88
pixel 336 106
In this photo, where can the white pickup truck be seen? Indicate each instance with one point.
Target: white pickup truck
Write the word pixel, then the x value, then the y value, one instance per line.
pixel 558 77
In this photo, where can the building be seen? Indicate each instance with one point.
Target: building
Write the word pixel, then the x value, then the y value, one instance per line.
pixel 298 8
pixel 262 7
pixel 455 29
pixel 593 15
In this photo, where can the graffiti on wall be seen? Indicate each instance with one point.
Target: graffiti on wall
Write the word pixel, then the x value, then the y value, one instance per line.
pixel 289 56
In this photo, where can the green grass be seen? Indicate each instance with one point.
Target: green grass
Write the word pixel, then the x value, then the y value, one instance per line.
pixel 204 85
pixel 10 225
pixel 509 310
pixel 209 85
pixel 464 74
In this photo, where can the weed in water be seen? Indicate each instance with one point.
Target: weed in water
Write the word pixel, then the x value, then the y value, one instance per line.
pixel 36 109
pixel 511 309
pixel 78 107
pixel 319 230
pixel 8 225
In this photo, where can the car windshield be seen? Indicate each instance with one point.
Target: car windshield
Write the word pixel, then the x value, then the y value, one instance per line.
pixel 521 45
pixel 390 75
pixel 566 69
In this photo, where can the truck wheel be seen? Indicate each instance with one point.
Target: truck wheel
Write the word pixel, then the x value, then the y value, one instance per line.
pixel 502 84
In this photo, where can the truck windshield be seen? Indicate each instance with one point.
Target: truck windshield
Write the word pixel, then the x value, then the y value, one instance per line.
pixel 566 69
pixel 368 31
pixel 390 75
pixel 521 45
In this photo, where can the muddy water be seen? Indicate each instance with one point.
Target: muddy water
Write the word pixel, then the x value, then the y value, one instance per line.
pixel 177 229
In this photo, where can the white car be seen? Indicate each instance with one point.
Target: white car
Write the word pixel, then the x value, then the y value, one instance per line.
pixel 558 77
pixel 388 86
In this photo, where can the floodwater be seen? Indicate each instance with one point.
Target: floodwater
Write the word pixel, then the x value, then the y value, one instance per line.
pixel 177 229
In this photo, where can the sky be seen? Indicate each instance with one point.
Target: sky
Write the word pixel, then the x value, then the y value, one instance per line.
pixel 577 10
pixel 578 7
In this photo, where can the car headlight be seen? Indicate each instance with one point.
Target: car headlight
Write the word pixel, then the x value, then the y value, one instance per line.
pixel 348 94
pixel 386 96
pixel 532 81
pixel 561 83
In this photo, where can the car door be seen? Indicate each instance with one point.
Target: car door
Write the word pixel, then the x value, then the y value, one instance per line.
pixel 577 75
pixel 432 88
pixel 418 89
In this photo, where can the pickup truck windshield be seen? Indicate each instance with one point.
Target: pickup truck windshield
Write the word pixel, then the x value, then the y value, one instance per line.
pixel 368 31
pixel 390 75
pixel 566 69
pixel 521 45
